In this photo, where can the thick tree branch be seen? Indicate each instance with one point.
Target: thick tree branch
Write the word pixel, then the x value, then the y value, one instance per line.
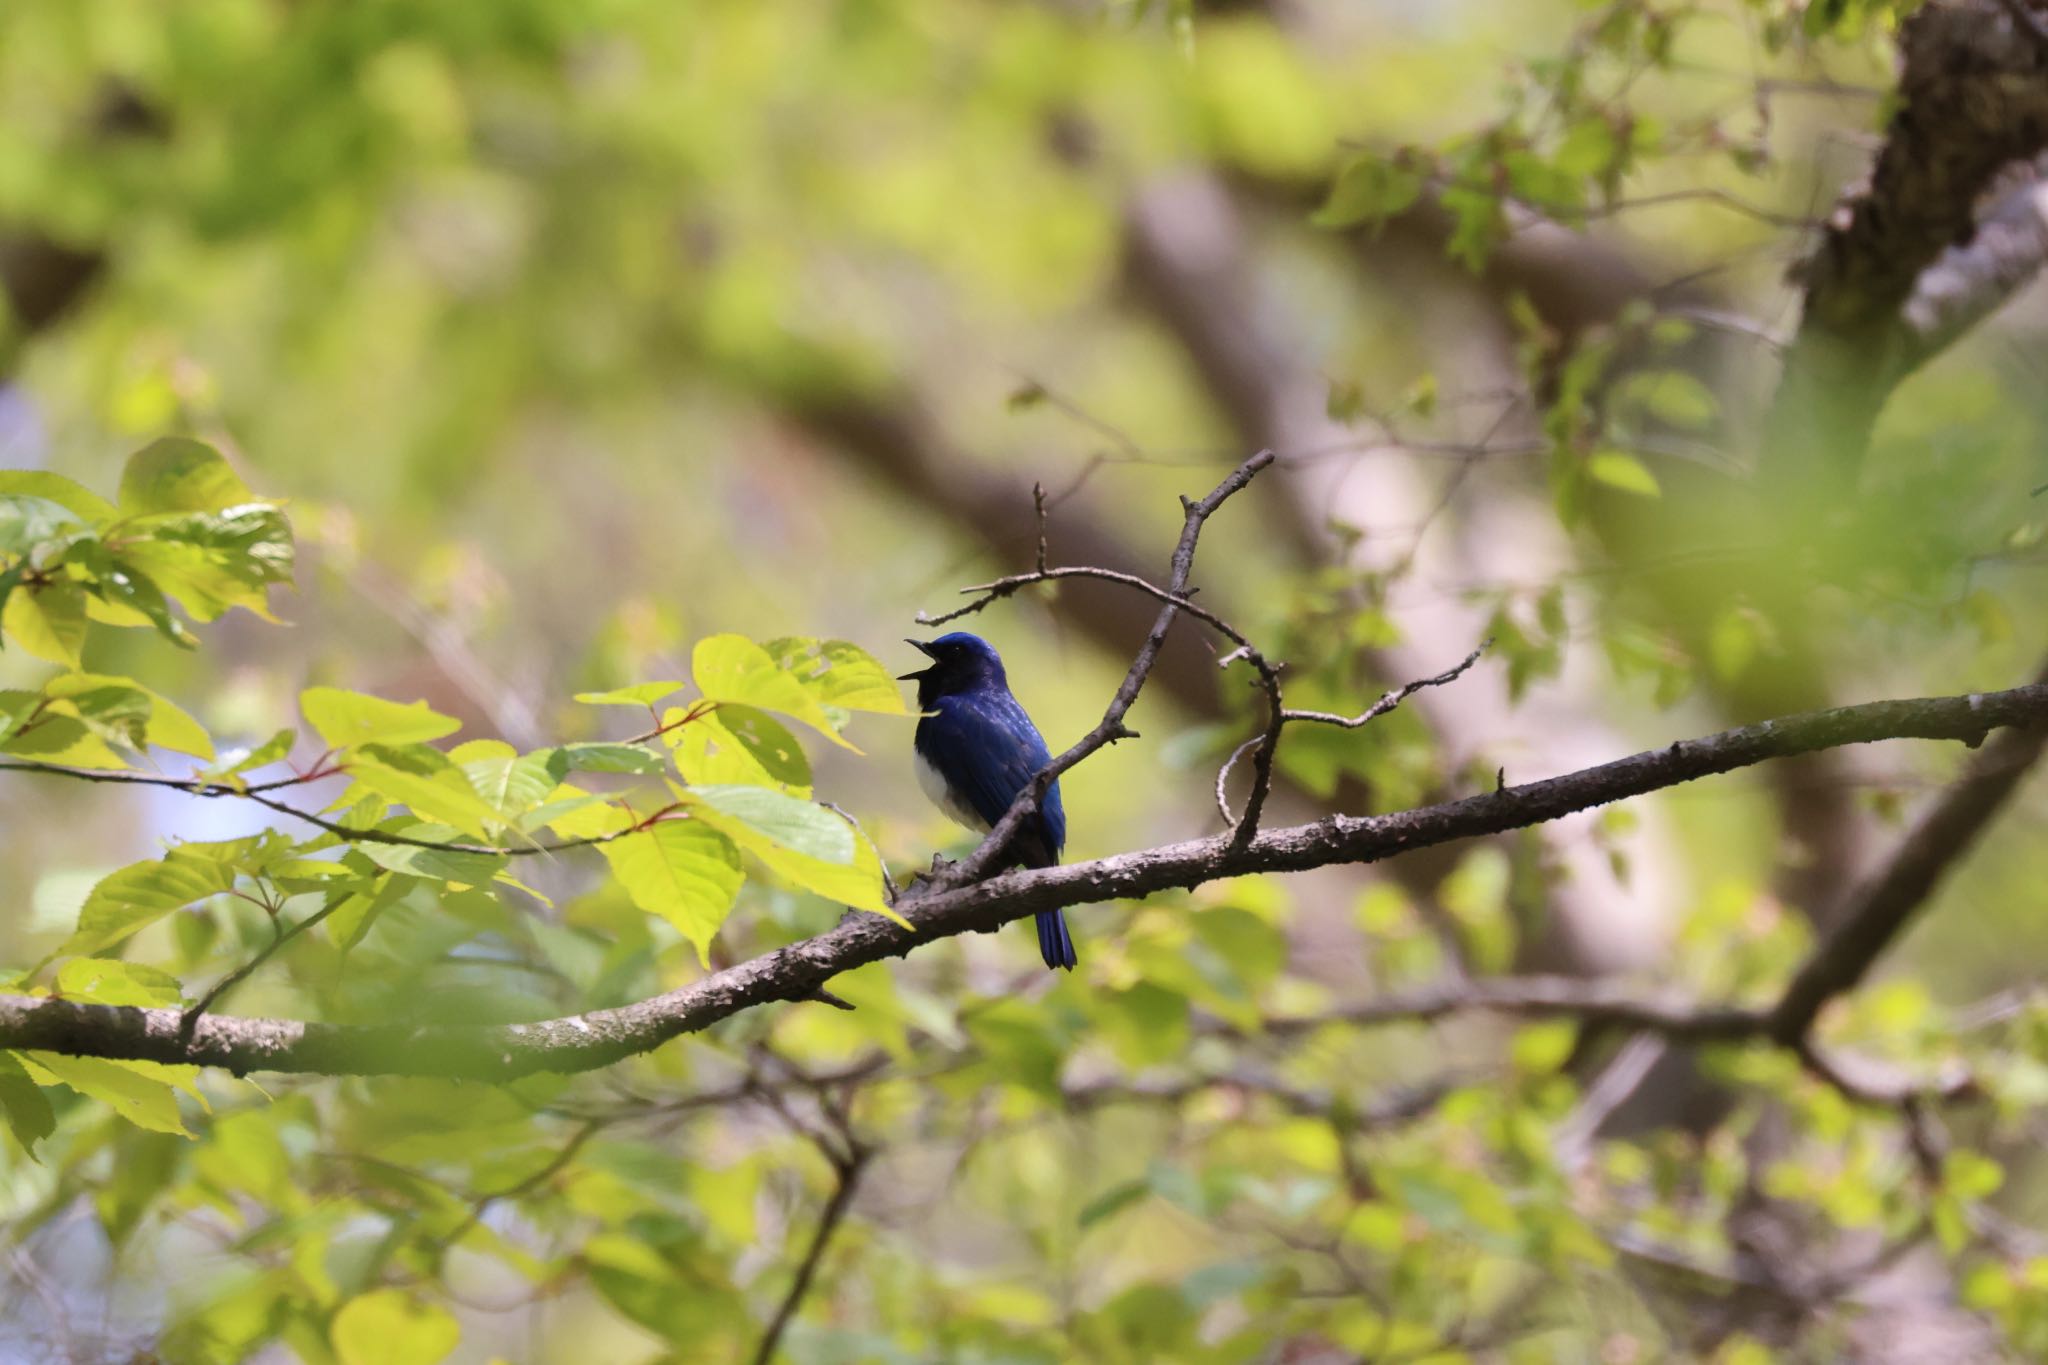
pixel 1935 845
pixel 1973 99
pixel 598 1038
pixel 1970 281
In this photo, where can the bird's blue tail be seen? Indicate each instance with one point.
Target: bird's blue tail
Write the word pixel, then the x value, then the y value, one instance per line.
pixel 1055 944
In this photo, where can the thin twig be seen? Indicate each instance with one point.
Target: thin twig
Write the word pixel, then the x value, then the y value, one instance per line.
pixel 1269 738
pixel 848 1172
pixel 1038 509
pixel 348 833
pixel 526 1185
pixel 1395 697
pixel 279 938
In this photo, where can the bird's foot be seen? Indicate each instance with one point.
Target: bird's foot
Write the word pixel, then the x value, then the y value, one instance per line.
pixel 941 864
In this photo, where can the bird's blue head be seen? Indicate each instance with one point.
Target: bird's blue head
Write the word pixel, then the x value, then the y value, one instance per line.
pixel 960 663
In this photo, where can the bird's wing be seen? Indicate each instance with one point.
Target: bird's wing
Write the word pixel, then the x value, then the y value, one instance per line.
pixel 987 750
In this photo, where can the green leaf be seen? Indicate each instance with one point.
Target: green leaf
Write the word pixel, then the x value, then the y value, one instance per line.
pixel 10 579
pixel 142 893
pixel 47 621
pixel 347 719
pixel 114 709
pixel 62 740
pixel 1619 469
pixel 639 694
pixel 173 727
pixel 785 821
pixel 682 870
pixel 214 561
pixel 511 782
pixel 739 744
pixel 35 531
pixel 391 1327
pixel 1113 1201
pixel 435 864
pixel 426 783
pixel 24 1105
pixel 122 708
pixel 358 910
pixel 791 837
pixel 126 594
pixel 1970 1175
pixel 839 673
pixel 576 814
pixel 103 981
pixel 1370 189
pixel 177 474
pixel 1674 397
pixel 66 493
pixel 734 668
pixel 264 754
pixel 142 1099
pixel 610 758
pixel 1540 1049
pixel 1589 150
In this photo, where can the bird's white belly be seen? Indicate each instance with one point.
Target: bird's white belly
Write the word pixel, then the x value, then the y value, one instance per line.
pixel 934 785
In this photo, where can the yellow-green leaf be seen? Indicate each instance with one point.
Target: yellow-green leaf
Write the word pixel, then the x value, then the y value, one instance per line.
pixel 785 821
pixel 142 1100
pixel 734 668
pixel 103 981
pixel 24 1105
pixel 173 727
pixel 177 474
pixel 1619 469
pixel 66 493
pixel 142 893
pixel 357 911
pixel 435 864
pixel 740 744
pixel 683 871
pixel 577 814
pixel 49 621
pixel 511 782
pixel 346 719
pixel 165 724
pixel 434 792
pixel 791 837
pixel 391 1327
pixel 839 673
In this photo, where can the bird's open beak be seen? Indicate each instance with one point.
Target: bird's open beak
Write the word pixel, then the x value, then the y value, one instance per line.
pixel 922 648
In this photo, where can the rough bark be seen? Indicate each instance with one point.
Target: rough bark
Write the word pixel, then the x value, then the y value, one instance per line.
pixel 1973 99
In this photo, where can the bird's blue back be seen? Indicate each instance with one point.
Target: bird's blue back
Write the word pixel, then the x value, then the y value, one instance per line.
pixel 987 750
pixel 977 752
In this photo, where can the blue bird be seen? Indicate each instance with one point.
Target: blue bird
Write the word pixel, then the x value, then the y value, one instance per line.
pixel 976 750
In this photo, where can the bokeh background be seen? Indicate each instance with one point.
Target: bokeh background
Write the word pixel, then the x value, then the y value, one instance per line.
pixel 573 332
